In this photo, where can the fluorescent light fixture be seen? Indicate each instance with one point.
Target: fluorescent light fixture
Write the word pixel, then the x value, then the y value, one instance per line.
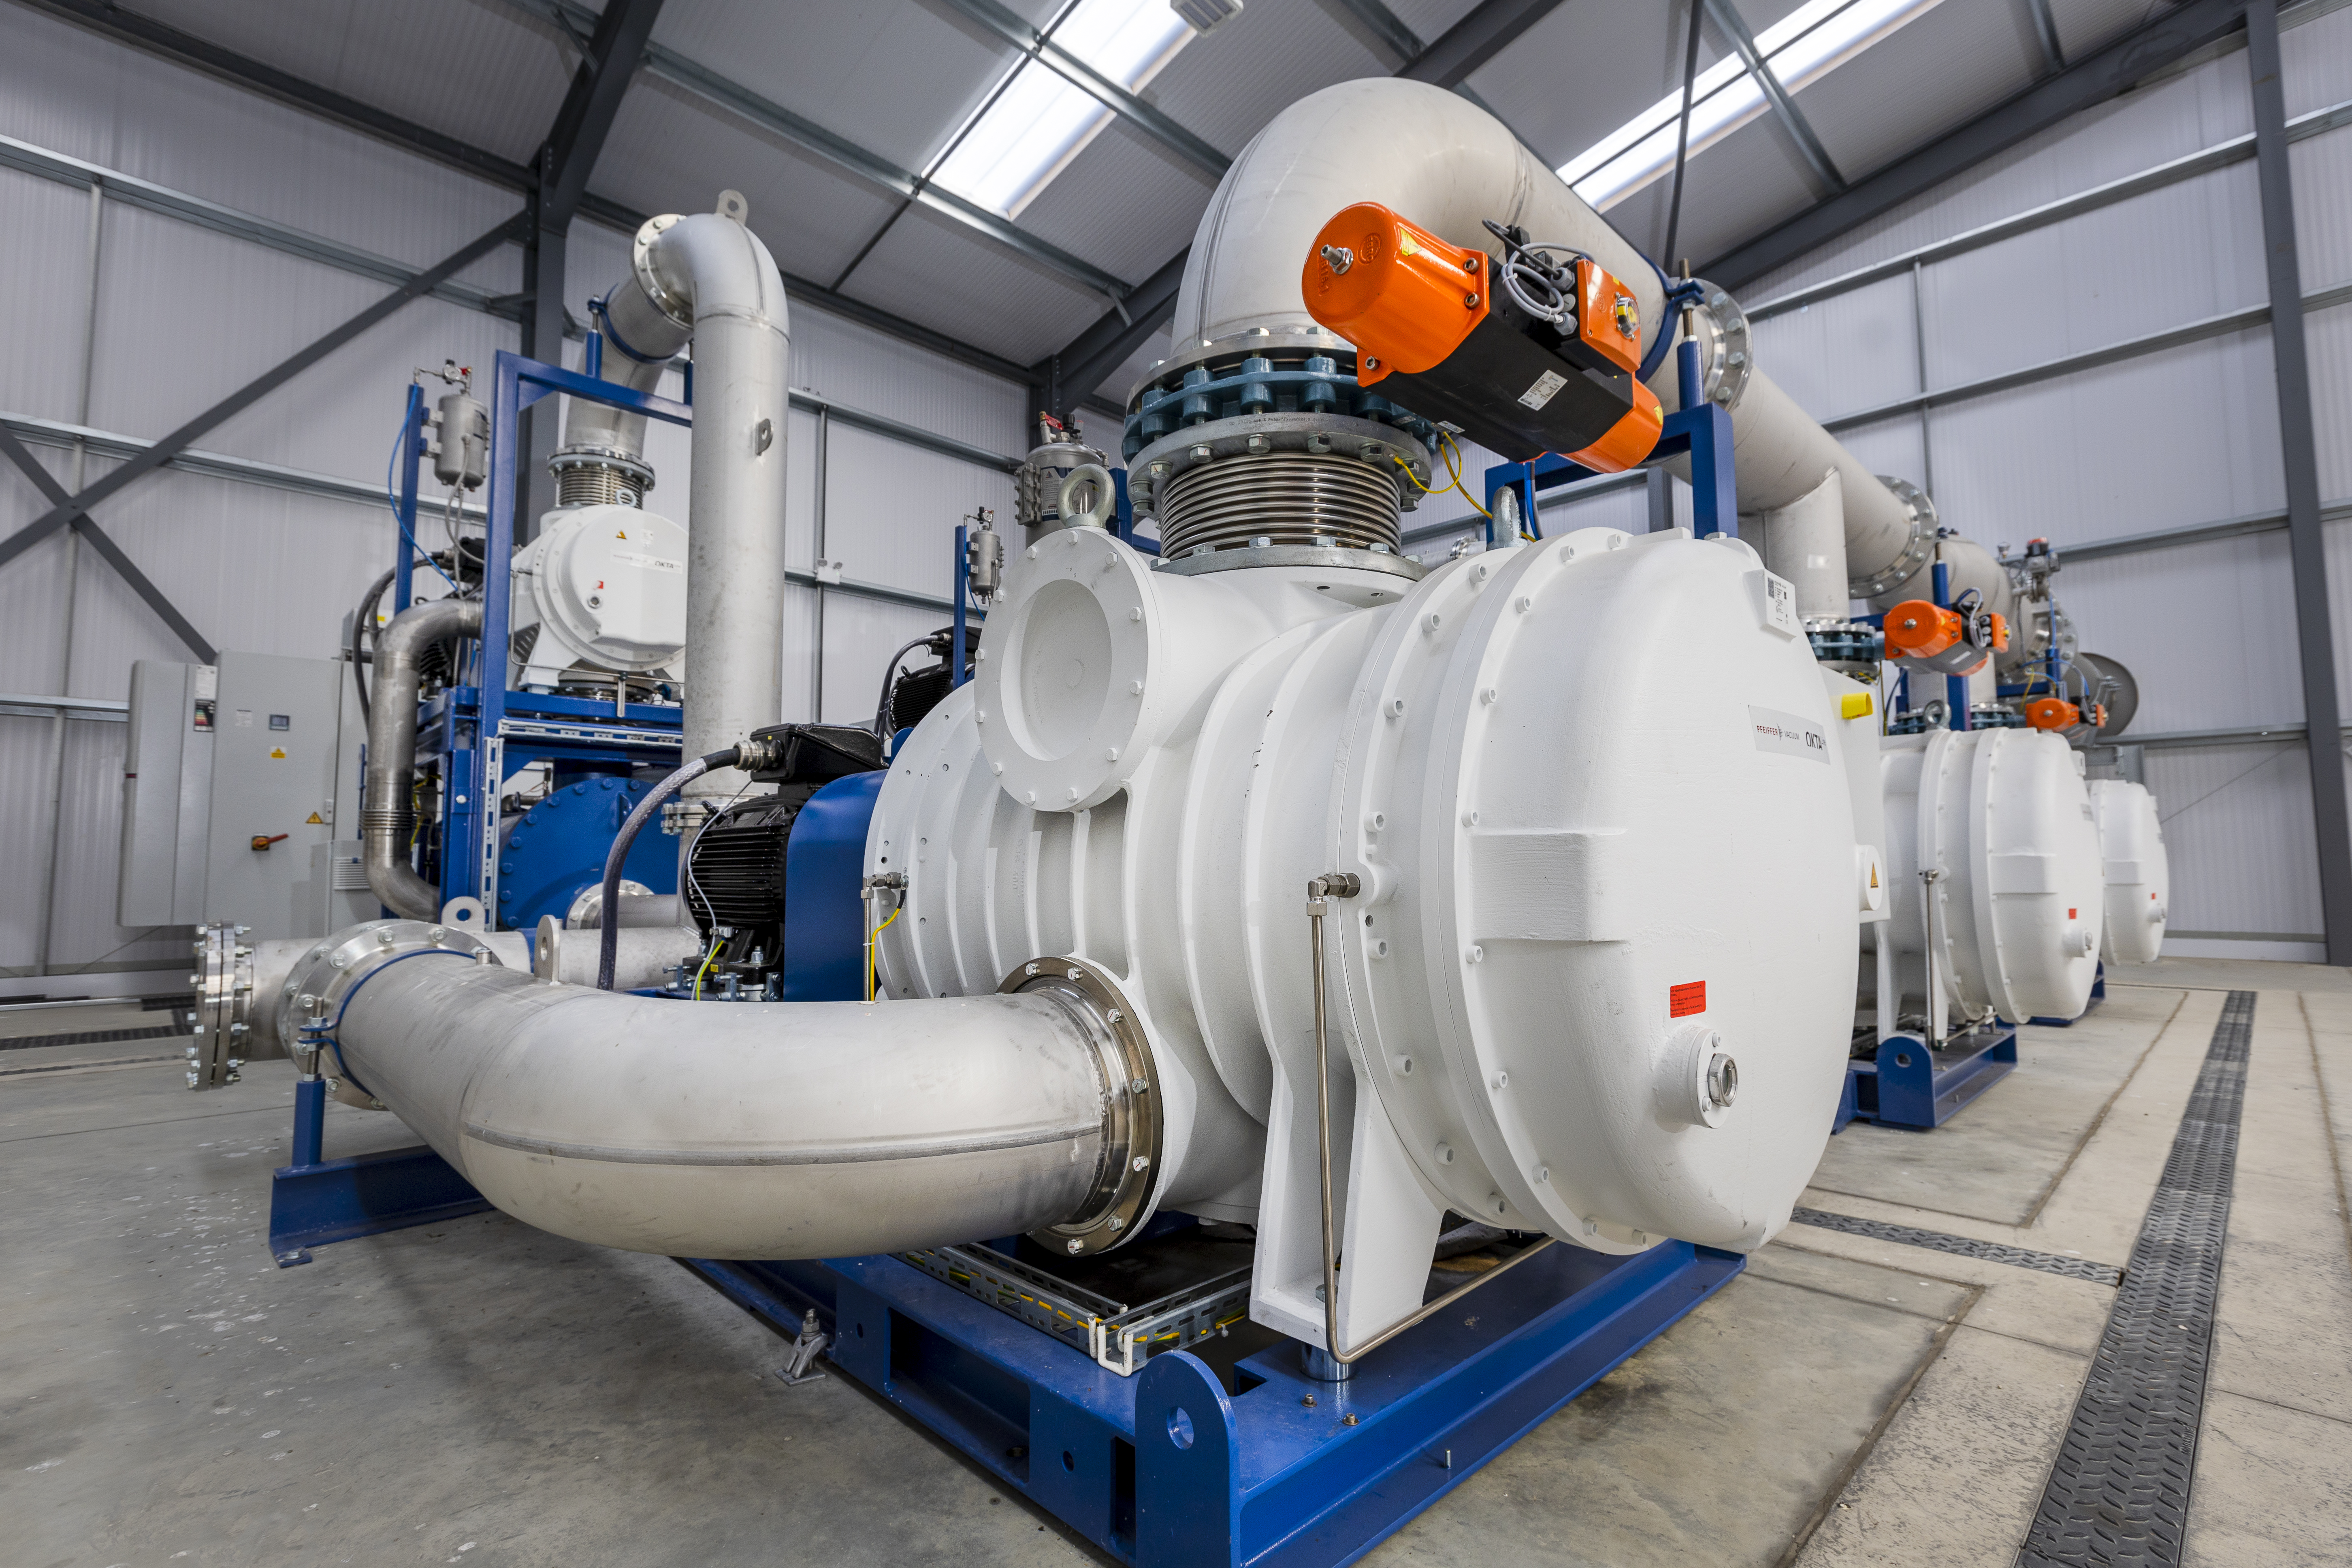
pixel 1040 121
pixel 1801 47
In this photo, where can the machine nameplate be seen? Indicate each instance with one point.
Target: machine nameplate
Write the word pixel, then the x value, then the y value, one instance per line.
pixel 1779 732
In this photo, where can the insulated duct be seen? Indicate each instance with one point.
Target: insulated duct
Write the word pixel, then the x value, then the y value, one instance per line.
pixel 1448 166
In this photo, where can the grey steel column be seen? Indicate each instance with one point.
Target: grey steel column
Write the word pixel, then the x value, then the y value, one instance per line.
pixel 2307 544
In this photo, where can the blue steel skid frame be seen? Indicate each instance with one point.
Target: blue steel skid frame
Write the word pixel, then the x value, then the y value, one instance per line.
pixel 1169 1469
pixel 482 732
pixel 1908 1087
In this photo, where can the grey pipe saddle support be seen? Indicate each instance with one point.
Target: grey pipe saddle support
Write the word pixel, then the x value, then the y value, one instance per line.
pixel 748 1129
pixel 385 814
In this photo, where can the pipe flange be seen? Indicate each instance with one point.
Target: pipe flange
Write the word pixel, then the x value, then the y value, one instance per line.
pixel 1208 558
pixel 1730 357
pixel 1916 550
pixel 224 987
pixel 641 263
pixel 1305 336
pixel 342 963
pixel 1115 1211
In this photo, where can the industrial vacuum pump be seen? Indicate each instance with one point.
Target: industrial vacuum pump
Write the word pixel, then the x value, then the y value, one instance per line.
pixel 1280 880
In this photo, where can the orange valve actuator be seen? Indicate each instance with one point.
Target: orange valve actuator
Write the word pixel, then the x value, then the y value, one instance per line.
pixel 2057 713
pixel 1430 328
pixel 1925 636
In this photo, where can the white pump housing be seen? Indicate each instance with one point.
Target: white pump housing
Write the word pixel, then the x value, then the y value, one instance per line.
pixel 1598 809
pixel 2011 921
pixel 2139 871
pixel 605 585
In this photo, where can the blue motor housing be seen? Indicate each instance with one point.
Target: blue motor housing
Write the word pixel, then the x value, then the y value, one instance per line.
pixel 557 848
pixel 824 913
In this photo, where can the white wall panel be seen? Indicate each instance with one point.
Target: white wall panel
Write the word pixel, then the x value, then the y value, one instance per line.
pixel 186 315
pixel 2186 437
pixel 44 295
pixel 2175 254
pixel 891 509
pixel 2238 826
pixel 1851 351
pixel 2200 626
pixel 66 89
pixel 2160 122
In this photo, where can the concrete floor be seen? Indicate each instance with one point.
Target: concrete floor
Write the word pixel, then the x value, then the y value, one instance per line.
pixel 480 1393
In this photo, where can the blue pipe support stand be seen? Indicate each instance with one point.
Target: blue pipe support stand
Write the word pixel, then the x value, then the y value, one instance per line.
pixel 1956 687
pixel 1262 1465
pixel 1912 1087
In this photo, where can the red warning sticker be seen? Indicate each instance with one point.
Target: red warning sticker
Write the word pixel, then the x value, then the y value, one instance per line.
pixel 1681 1001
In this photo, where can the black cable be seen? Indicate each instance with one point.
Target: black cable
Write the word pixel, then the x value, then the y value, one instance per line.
pixel 365 617
pixel 608 934
pixel 1682 135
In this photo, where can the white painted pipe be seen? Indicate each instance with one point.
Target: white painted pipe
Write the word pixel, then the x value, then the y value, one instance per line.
pixel 1805 542
pixel 1447 165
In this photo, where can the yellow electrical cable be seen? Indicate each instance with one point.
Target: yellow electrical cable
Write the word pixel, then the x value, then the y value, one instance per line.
pixel 1451 453
pixel 873 944
pixel 698 974
pixel 1454 468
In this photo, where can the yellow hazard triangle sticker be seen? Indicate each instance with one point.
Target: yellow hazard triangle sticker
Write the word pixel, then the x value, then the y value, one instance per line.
pixel 618 534
pixel 315 820
pixel 278 754
pixel 1874 870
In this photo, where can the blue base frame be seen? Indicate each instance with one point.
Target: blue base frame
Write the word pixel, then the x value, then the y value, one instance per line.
pixel 1169 1467
pixel 315 1201
pixel 1910 1086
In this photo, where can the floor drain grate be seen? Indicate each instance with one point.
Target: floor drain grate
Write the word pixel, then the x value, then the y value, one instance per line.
pixel 1962 1246
pixel 2119 1490
pixel 91 1037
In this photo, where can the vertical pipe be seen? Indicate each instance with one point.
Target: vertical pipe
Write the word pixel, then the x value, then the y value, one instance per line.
pixel 73 584
pixel 2307 544
pixel 1956 687
pixel 963 594
pixel 816 660
pixel 1919 353
pixel 403 568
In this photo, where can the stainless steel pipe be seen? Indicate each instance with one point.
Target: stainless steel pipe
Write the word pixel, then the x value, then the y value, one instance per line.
pixel 748 1129
pixel 386 815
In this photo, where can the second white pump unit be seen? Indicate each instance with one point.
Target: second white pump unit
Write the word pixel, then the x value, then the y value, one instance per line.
pixel 1996 889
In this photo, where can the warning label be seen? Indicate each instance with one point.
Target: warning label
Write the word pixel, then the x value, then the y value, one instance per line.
pixel 1681 1001
pixel 1798 736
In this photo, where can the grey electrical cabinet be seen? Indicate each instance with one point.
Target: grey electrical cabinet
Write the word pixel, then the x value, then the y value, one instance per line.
pixel 231 779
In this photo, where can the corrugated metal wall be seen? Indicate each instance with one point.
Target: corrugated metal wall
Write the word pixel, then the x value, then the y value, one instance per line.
pixel 184 314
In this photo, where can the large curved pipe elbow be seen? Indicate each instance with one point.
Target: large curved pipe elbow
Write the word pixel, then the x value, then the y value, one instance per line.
pixel 753 1130
pixel 385 816
pixel 708 279
pixel 1448 166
